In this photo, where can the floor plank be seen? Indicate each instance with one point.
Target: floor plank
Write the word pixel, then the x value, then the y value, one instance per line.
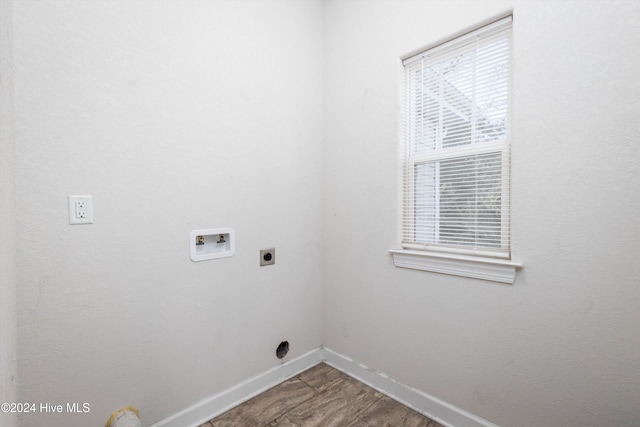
pixel 268 406
pixel 339 404
pixel 321 376
pixel 321 397
pixel 386 412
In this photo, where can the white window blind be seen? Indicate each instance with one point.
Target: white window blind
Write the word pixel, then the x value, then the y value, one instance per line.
pixel 456 144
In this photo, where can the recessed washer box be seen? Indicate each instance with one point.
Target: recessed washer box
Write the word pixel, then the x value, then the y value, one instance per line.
pixel 211 243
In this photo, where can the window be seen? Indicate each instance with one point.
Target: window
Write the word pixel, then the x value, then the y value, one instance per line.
pixel 456 145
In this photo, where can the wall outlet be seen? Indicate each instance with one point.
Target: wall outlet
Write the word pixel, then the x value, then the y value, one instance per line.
pixel 80 210
pixel 267 256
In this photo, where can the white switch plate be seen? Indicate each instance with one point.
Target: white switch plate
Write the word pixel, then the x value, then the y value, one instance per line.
pixel 80 210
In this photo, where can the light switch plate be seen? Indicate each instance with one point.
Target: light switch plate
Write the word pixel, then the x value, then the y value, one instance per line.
pixel 80 210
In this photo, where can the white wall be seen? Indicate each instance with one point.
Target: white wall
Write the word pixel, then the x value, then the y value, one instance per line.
pixel 560 346
pixel 185 115
pixel 174 116
pixel 8 316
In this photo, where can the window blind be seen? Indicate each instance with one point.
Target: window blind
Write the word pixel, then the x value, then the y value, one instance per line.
pixel 456 144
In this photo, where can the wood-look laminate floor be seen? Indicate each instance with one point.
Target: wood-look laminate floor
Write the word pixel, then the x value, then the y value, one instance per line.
pixel 321 396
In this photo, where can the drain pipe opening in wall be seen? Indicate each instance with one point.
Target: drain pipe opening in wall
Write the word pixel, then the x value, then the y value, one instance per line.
pixel 282 349
pixel 125 417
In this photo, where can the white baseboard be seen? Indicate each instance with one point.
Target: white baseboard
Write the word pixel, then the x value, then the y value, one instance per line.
pixel 219 403
pixel 430 406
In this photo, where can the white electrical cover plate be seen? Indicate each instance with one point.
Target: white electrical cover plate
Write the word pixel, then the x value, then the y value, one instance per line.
pixel 80 210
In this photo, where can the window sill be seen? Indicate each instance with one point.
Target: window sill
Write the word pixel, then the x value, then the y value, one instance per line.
pixel 492 269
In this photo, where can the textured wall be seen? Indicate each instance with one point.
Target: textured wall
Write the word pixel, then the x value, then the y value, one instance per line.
pixel 560 346
pixel 185 115
pixel 8 316
pixel 174 116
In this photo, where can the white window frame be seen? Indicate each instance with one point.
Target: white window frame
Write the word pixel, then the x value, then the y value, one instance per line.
pixel 493 264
